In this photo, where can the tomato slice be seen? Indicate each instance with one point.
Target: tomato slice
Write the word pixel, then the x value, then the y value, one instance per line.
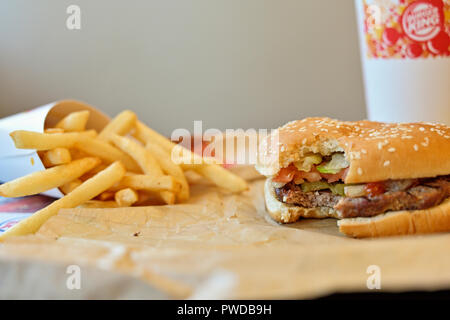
pixel 334 177
pixel 311 176
pixel 286 174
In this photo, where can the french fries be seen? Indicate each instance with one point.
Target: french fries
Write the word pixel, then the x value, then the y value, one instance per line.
pixel 86 191
pixel 144 159
pixel 56 157
pixel 213 172
pixel 126 197
pixel 148 135
pixel 75 121
pixel 222 177
pixel 170 168
pixel 112 167
pixel 120 125
pixel 148 183
pixel 41 181
pixel 47 141
pixel 70 186
pixel 106 152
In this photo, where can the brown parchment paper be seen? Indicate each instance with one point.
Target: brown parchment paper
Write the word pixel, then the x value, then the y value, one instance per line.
pixel 224 246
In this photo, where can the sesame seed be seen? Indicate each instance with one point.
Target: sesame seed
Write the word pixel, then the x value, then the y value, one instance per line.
pixel 416 147
pixel 422 129
pixel 364 151
pixel 391 149
pixel 386 163
pixel 355 155
pixel 360 172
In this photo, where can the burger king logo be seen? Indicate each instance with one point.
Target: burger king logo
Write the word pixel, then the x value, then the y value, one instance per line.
pixel 422 20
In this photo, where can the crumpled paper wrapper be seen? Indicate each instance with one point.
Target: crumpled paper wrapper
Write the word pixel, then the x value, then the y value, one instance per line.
pixel 219 246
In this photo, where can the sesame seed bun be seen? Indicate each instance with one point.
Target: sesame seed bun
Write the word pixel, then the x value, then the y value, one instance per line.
pixel 376 151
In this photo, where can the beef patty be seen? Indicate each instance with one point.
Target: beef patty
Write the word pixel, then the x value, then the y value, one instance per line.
pixel 408 194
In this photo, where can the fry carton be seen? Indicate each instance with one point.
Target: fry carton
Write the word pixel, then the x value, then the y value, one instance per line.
pixel 15 163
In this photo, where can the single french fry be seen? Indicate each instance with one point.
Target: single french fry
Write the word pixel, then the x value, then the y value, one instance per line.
pixel 56 157
pixel 213 172
pixel 148 183
pixel 120 125
pixel 145 134
pixel 144 159
pixel 95 204
pixel 170 168
pixel 167 196
pixel 94 171
pixel 77 154
pixel 222 178
pixel 47 141
pixel 106 152
pixel 126 197
pixel 145 198
pixel 54 130
pixel 41 181
pixel 105 196
pixel 86 191
pixel 70 186
pixel 75 121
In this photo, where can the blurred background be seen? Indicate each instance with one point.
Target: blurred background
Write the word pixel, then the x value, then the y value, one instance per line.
pixel 230 63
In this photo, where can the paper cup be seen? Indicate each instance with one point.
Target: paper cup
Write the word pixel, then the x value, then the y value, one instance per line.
pixel 406 59
pixel 15 163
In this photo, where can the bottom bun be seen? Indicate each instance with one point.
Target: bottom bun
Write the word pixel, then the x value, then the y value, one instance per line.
pixel 288 213
pixel 435 219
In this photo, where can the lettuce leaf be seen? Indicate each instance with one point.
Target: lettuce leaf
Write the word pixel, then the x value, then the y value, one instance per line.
pixel 336 164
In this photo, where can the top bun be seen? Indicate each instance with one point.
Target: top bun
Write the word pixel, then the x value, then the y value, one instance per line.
pixel 376 151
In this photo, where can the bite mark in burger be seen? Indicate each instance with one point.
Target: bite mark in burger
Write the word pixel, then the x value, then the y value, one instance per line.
pixel 378 178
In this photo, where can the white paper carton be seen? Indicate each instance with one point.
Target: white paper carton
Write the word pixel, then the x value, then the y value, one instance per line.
pixel 14 162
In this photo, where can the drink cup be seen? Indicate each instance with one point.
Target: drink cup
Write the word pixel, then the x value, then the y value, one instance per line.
pixel 406 59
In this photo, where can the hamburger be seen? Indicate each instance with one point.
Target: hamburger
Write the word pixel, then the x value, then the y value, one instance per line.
pixel 378 179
